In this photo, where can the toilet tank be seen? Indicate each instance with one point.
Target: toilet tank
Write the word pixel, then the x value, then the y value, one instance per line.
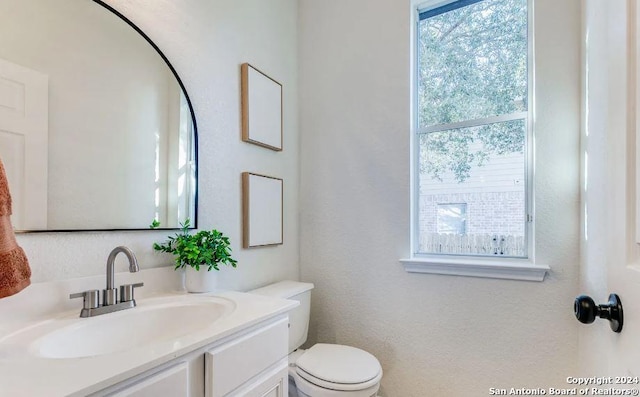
pixel 298 317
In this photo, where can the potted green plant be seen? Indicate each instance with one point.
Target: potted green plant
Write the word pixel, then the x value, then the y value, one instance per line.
pixel 206 248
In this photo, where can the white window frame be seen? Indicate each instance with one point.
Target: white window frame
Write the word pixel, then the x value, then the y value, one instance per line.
pixel 461 265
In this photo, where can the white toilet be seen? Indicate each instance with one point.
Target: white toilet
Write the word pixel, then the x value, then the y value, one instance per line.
pixel 324 370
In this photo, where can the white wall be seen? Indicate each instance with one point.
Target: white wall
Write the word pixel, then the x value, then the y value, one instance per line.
pixel 206 42
pixel 434 335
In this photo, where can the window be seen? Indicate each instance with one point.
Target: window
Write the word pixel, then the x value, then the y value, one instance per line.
pixel 472 130
pixel 452 219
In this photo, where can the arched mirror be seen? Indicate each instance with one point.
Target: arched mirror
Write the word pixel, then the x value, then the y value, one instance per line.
pixel 96 129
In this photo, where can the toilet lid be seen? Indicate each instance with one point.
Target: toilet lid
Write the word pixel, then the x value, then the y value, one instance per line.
pixel 339 367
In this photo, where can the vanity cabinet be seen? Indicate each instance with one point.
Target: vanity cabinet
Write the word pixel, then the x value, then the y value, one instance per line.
pixel 169 382
pixel 234 364
pixel 273 383
pixel 250 363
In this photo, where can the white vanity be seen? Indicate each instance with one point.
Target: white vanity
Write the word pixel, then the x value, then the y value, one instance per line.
pixel 171 344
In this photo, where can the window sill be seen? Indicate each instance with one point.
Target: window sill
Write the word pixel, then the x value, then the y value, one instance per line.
pixel 508 269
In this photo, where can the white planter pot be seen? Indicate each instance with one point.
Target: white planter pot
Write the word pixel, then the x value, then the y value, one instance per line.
pixel 200 281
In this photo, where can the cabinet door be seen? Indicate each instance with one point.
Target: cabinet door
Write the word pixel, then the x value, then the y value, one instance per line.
pixel 234 364
pixel 170 382
pixel 272 383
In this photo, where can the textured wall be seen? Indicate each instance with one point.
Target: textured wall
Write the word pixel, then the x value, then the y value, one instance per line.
pixel 206 42
pixel 435 335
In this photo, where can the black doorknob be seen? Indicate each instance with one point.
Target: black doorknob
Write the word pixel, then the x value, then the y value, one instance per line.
pixel 586 311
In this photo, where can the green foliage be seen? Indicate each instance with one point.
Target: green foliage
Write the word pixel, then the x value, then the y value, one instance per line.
pixel 458 150
pixel 205 248
pixel 472 65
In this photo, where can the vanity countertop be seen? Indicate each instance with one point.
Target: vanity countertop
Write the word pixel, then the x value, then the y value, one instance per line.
pixel 23 373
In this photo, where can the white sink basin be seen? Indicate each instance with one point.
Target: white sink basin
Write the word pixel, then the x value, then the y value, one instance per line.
pixel 122 331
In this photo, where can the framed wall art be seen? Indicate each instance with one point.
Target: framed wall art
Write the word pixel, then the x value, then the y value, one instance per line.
pixel 262 210
pixel 261 108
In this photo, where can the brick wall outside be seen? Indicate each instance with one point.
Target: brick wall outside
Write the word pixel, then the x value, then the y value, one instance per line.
pixel 489 214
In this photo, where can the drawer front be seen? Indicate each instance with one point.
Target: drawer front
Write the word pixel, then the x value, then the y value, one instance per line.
pixel 170 382
pixel 236 362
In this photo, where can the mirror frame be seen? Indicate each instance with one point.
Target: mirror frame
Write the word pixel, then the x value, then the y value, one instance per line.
pixel 193 222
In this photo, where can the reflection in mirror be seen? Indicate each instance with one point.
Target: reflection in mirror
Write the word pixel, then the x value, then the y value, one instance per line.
pixel 96 131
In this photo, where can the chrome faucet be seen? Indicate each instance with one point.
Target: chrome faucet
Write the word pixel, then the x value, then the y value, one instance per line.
pixel 110 294
pixel 110 304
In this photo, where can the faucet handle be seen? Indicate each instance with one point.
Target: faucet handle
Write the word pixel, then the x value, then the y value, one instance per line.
pixel 126 291
pixel 91 298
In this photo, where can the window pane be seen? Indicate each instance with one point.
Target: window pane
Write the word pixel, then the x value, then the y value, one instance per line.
pixel 482 167
pixel 473 62
pixel 452 218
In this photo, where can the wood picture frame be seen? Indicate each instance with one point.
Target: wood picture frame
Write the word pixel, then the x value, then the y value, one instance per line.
pixel 262 210
pixel 261 108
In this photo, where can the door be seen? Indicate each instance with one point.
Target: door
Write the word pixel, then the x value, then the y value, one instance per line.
pixel 611 182
pixel 23 142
